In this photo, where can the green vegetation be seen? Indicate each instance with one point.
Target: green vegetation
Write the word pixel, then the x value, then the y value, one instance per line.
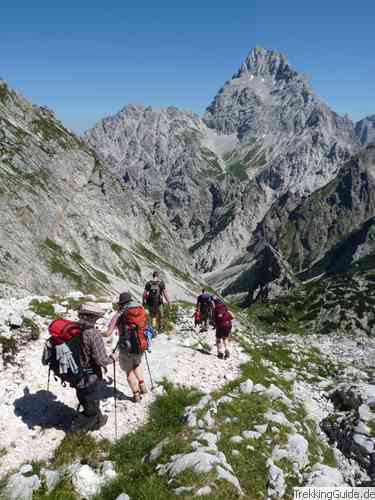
pixel 43 308
pixel 33 327
pixel 170 318
pixel 82 447
pixel 339 303
pixel 155 232
pixel 13 177
pixel 156 260
pixel 238 169
pixel 9 345
pixel 214 169
pixel 4 92
pixel 73 267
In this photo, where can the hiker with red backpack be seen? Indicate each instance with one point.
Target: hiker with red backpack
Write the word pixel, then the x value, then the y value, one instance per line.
pixel 155 296
pixel 76 354
pixel 204 308
pixel 222 318
pixel 131 324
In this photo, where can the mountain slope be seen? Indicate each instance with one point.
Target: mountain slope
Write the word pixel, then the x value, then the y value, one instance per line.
pixel 213 180
pixel 66 221
pixel 330 231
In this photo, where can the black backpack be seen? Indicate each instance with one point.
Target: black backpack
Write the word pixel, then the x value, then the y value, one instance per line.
pixel 154 294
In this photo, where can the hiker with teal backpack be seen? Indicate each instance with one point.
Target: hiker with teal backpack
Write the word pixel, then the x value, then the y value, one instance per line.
pixel 154 298
pixel 133 341
pixel 75 353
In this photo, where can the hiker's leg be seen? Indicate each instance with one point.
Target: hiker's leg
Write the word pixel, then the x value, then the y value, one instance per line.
pixel 138 371
pixel 133 381
pixel 219 342
pixel 161 317
pixel 127 365
pixel 87 398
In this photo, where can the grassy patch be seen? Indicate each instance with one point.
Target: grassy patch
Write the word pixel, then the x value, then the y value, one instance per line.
pixel 170 318
pixel 82 447
pixel 33 327
pixel 238 170
pixel 9 345
pixel 43 308
pixel 138 479
pixel 73 267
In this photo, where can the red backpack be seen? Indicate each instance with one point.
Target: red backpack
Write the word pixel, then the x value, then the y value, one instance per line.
pixel 133 338
pixel 223 318
pixel 63 330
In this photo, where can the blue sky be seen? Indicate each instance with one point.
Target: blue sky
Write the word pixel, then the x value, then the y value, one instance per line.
pixel 87 59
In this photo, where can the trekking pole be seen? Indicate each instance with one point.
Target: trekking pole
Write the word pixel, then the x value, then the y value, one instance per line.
pixel 115 394
pixel 49 376
pixel 149 372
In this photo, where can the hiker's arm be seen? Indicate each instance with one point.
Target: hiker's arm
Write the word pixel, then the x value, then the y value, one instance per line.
pixel 99 353
pixel 112 325
pixel 166 296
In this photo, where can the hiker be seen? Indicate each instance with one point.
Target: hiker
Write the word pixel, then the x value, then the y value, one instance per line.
pixel 75 354
pixel 197 318
pixel 204 307
pixel 223 323
pixel 154 296
pixel 131 324
pixel 93 358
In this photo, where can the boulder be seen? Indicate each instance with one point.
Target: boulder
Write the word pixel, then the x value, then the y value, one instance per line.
pixel 205 490
pixel 323 475
pixel 51 478
pixel 276 481
pixel 15 319
pixel 86 482
pixel 20 487
pixel 247 387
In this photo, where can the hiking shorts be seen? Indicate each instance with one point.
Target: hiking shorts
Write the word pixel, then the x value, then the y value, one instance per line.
pixel 159 311
pixel 129 361
pixel 224 332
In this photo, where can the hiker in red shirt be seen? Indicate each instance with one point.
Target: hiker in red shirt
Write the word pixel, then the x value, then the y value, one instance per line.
pixel 223 324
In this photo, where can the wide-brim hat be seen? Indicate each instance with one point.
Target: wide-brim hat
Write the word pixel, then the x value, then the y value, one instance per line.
pixel 91 310
pixel 124 298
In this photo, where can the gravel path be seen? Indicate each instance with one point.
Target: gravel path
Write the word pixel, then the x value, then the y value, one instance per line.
pixel 33 421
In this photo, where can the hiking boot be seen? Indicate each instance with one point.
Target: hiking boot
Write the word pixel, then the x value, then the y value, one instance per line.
pixel 220 355
pixel 227 354
pixel 136 397
pixel 143 388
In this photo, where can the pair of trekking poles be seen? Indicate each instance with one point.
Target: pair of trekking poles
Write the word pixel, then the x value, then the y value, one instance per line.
pixel 115 385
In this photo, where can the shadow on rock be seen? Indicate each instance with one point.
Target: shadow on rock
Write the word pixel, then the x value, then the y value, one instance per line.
pixel 105 391
pixel 42 409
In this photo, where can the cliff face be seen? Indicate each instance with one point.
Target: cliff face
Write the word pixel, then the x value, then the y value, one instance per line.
pixel 329 232
pixel 67 222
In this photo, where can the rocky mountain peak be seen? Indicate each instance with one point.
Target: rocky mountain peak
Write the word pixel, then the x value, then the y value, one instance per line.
pixel 267 63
